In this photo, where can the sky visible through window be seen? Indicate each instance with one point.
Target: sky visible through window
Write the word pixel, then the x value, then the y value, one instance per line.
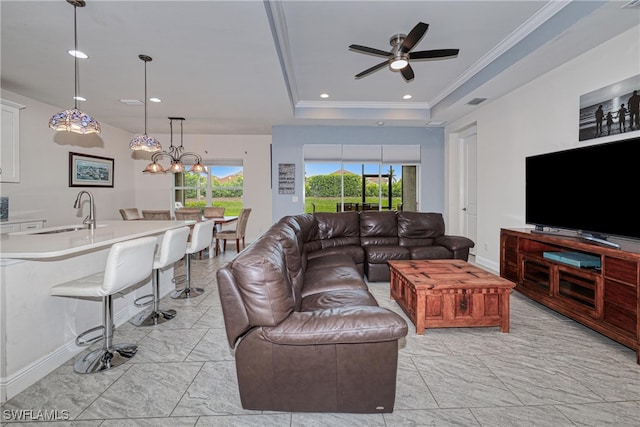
pixel 224 171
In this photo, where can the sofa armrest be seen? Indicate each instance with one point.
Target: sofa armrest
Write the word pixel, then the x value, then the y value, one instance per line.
pixel 454 243
pixel 344 325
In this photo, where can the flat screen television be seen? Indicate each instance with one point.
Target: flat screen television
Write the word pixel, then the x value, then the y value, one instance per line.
pixel 593 190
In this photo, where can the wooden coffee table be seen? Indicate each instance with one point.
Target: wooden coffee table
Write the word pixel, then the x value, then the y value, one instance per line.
pixel 449 293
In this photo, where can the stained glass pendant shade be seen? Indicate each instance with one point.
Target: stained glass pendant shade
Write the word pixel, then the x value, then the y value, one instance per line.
pixel 145 142
pixel 74 120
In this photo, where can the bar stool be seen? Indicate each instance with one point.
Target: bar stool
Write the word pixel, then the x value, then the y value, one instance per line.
pixel 172 248
pixel 128 263
pixel 200 239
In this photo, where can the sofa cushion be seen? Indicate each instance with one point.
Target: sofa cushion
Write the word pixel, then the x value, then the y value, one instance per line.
pixel 419 228
pixel 338 229
pixel 336 278
pixel 286 232
pixel 381 254
pixel 355 252
pixel 378 228
pixel 330 261
pixel 357 324
pixel 263 280
pixel 430 252
pixel 340 298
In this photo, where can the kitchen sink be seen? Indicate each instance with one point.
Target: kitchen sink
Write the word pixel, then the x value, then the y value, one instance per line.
pixel 62 230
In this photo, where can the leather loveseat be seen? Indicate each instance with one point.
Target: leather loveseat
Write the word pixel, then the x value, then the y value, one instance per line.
pixel 308 335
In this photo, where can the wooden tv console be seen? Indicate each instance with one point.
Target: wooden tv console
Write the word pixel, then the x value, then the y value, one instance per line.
pixel 606 299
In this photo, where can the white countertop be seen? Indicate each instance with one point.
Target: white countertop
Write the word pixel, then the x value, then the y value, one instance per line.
pixel 33 245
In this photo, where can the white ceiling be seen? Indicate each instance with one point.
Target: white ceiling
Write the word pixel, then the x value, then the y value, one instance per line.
pixel 241 67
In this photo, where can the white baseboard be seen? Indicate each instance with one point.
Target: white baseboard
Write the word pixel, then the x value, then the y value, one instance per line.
pixel 493 266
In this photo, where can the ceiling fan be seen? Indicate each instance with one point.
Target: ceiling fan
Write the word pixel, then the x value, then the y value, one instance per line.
pixel 400 55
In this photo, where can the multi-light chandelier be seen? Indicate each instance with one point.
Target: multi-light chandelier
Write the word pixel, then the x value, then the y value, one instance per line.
pixel 74 120
pixel 176 154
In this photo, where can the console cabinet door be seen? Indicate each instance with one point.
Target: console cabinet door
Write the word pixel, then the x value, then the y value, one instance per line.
pixel 10 142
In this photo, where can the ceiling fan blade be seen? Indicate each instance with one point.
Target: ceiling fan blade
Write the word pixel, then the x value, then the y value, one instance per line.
pixel 407 73
pixel 431 54
pixel 369 50
pixel 371 70
pixel 414 36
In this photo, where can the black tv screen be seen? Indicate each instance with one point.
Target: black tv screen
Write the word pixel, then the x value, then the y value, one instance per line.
pixel 592 189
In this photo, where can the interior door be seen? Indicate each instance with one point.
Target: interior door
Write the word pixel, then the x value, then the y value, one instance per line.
pixel 470 189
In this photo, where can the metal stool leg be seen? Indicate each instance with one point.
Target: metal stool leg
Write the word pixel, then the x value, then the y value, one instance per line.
pixel 187 291
pixel 110 355
pixel 154 315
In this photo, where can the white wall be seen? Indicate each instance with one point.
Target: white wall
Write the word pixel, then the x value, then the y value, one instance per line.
pixel 43 190
pixel 153 191
pixel 539 117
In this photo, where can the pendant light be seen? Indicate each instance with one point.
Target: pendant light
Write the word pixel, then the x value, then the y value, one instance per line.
pixel 74 120
pixel 176 154
pixel 145 142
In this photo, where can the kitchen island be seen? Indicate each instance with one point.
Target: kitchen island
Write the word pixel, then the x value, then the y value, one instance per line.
pixel 37 330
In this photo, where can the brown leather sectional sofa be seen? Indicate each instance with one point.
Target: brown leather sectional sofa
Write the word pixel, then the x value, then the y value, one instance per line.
pixel 308 335
pixel 372 238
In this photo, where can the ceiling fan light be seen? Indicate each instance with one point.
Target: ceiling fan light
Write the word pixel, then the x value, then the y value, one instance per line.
pixel 74 121
pixel 145 142
pixel 399 63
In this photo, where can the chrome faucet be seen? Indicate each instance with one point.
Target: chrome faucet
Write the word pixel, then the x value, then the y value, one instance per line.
pixel 89 220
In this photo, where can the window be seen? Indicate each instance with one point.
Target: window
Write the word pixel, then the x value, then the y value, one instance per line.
pixel 337 187
pixel 360 177
pixel 221 185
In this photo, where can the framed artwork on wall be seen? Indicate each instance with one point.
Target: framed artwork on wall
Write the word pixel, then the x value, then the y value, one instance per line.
pixel 286 178
pixel 90 171
pixel 611 110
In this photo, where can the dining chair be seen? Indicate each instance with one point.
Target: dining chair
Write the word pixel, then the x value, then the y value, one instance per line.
pixel 238 233
pixel 186 214
pixel 214 212
pixel 157 215
pixel 130 214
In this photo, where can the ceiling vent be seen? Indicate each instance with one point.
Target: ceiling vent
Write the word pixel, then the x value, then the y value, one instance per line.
pixel 131 101
pixel 476 101
pixel 633 4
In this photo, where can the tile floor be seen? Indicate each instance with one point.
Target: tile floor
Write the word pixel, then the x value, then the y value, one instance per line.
pixel 549 371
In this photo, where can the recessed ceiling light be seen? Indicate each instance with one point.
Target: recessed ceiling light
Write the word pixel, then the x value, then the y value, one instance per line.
pixel 324 95
pixel 407 96
pixel 380 123
pixel 78 54
pixel 155 99
pixel 79 98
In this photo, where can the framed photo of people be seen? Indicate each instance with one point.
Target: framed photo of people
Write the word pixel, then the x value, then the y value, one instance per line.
pixel 611 110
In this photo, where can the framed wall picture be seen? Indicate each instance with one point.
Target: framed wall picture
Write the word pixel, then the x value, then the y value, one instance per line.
pixel 613 110
pixel 286 178
pixel 90 171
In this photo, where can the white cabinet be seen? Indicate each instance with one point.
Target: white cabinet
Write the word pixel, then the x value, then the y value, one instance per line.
pixel 14 225
pixel 9 228
pixel 10 142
